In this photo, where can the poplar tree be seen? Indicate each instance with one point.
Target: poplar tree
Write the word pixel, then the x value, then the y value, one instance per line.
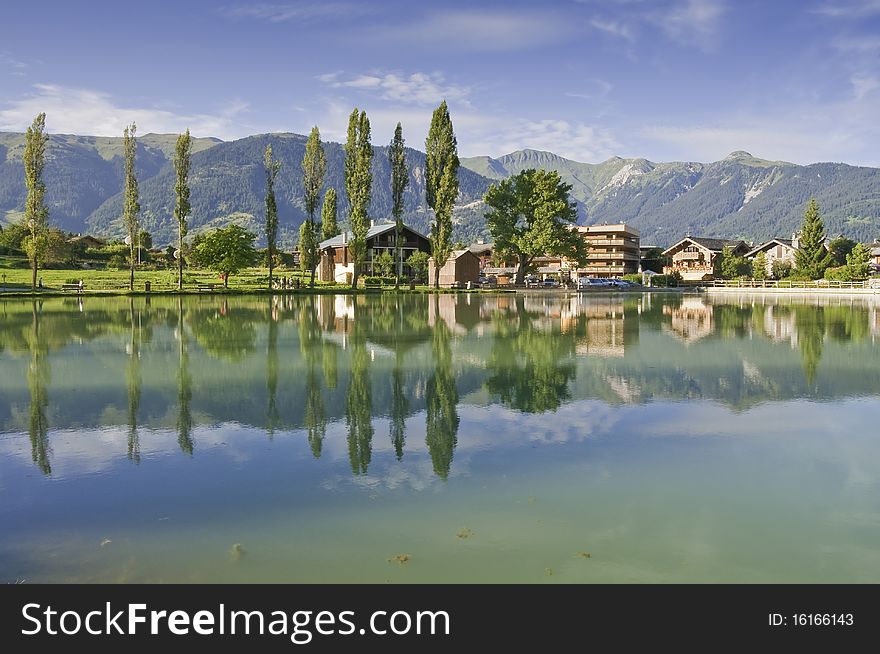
pixel 271 167
pixel 441 184
pixel 313 166
pixel 399 181
pixel 812 258
pixel 329 227
pixel 182 207
pixel 131 206
pixel 36 213
pixel 358 184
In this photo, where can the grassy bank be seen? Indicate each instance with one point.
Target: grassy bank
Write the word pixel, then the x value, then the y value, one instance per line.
pixel 253 281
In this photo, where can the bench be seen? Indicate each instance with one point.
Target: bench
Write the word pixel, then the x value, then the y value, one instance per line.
pixel 202 287
pixel 72 287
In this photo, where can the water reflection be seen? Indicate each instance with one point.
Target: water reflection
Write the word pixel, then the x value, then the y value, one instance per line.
pixel 297 365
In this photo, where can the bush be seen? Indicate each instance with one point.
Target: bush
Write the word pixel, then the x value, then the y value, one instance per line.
pixel 635 278
pixel 372 281
pixel 388 281
pixel 117 262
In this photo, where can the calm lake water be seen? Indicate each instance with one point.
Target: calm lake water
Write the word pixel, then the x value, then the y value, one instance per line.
pixel 479 438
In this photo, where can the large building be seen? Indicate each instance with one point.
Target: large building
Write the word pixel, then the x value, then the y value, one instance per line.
pixel 614 250
pixel 336 263
pixel 694 257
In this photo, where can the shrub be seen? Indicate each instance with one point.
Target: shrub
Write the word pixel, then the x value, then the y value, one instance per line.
pixel 372 281
pixel 117 262
pixel 635 278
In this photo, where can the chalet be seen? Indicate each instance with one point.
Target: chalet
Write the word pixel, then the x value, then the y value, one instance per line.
pixel 777 249
pixel 336 262
pixel 875 255
pixel 461 267
pixel 483 252
pixel 87 241
pixel 694 257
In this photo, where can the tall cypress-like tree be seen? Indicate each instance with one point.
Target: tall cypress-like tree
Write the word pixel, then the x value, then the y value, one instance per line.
pixel 131 205
pixel 329 226
pixel 441 184
pixel 399 181
pixel 313 166
pixel 358 184
pixel 271 166
pixel 36 213
pixel 812 258
pixel 182 207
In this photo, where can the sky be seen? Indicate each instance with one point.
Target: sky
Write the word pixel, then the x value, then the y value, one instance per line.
pixel 668 80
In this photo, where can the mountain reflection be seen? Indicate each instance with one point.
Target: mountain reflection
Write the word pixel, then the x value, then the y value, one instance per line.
pixel 350 367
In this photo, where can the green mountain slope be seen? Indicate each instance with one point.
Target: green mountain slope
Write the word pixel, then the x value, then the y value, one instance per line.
pixel 739 196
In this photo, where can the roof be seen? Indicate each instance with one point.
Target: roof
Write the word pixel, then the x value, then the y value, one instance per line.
pixel 780 241
pixel 455 254
pixel 714 244
pixel 374 230
pixel 480 247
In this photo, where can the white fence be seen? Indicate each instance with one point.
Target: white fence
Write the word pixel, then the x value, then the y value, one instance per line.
pixel 785 283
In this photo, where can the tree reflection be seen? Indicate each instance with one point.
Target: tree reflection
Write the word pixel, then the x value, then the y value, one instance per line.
pixel 272 416
pixel 224 333
pixel 441 398
pixel 358 404
pixel 184 386
pixel 399 409
pixel 311 349
pixel 526 366
pixel 133 383
pixel 38 377
pixel 810 323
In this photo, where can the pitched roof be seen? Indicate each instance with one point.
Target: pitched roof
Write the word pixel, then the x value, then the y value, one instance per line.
pixel 714 244
pixel 480 247
pixel 781 241
pixel 374 230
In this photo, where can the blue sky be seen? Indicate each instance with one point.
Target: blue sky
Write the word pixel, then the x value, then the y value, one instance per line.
pixel 797 80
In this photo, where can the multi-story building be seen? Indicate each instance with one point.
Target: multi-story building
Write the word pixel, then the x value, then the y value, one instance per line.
pixel 336 263
pixel 694 257
pixel 614 250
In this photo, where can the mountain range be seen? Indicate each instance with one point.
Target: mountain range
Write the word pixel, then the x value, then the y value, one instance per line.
pixel 738 197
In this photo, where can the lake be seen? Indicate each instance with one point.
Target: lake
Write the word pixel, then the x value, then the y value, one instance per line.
pixel 536 438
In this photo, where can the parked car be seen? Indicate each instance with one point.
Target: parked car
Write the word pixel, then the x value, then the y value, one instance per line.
pixel 592 282
pixel 550 283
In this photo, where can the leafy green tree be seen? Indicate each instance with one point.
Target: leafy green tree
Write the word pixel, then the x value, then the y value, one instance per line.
pixel 131 204
pixel 441 183
pixel 313 166
pixel 329 227
pixel 730 266
pixel 399 181
pixel 418 263
pixel 271 166
pixel 12 237
pixel 36 213
pixel 308 247
pixel 383 264
pixel 859 261
pixel 182 206
pixel 781 269
pixel 759 266
pixel 228 250
pixel 811 258
pixel 839 248
pixel 358 185
pixel 530 215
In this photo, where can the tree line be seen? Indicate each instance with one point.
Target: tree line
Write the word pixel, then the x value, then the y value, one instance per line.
pixel 229 249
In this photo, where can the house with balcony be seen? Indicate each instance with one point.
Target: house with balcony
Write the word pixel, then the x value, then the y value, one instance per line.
pixel 694 257
pixel 336 263
pixel 613 250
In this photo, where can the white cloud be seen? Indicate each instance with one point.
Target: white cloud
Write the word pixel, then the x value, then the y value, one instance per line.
pixel 416 88
pixel 851 9
pixel 470 30
pixel 300 11
pixel 692 22
pixel 593 89
pixel 573 140
pixel 613 28
pixel 84 111
pixel 864 84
